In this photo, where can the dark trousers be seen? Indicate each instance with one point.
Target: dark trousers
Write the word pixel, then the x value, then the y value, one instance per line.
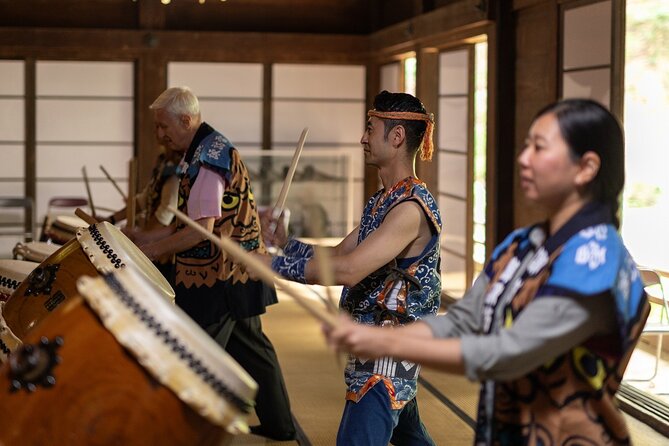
pixel 245 341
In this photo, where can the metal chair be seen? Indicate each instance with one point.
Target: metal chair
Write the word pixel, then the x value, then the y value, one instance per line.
pixel 24 225
pixel 651 279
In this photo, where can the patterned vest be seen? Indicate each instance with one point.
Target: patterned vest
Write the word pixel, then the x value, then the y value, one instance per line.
pixel 208 282
pixel 570 399
pixel 404 290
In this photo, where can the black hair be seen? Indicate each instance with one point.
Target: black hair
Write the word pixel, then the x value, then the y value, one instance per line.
pixel 402 102
pixel 586 126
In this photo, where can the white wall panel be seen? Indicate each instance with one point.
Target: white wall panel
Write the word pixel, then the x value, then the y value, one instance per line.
pixel 57 161
pixel 230 80
pixel 84 120
pixel 453 274
pixel 318 81
pixel 12 188
pixel 454 216
pixel 240 121
pixel 12 127
pixel 13 161
pixel 64 78
pixel 11 77
pixel 331 122
pixel 390 77
pixel 453 72
pixel 593 84
pixel 587 36
pixel 453 117
pixel 453 174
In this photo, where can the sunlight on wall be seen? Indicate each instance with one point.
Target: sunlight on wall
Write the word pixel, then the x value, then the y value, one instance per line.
pixel 646 198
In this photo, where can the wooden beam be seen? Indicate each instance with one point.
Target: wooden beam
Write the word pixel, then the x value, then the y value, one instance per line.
pixel 183 46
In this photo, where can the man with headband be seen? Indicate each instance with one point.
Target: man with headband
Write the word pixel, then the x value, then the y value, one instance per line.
pixel 389 266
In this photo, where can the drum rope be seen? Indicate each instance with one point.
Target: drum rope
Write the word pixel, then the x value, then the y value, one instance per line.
pixel 181 350
pixel 104 246
pixel 9 283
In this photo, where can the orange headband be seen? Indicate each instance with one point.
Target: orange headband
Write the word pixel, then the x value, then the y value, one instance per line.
pixel 426 150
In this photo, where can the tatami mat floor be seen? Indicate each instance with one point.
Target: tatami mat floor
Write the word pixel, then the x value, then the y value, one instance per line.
pixel 313 376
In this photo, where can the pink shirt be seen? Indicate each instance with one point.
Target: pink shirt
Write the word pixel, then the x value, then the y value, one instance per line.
pixel 206 195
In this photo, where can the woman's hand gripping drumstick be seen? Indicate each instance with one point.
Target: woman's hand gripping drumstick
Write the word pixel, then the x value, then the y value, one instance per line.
pixel 114 183
pixel 260 269
pixel 281 201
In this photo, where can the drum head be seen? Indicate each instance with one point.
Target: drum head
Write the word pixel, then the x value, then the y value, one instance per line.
pixel 69 223
pixel 109 250
pixel 172 347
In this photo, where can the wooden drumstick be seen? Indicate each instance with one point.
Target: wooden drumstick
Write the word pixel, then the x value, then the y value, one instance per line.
pixel 266 274
pixel 281 201
pixel 324 268
pixel 85 217
pixel 88 190
pixel 113 182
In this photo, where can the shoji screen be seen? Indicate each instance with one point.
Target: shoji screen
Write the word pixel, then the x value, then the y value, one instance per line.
pixel 230 97
pixel 12 138
pixel 586 52
pixel 455 160
pixel 84 117
pixel 330 100
pixel 390 77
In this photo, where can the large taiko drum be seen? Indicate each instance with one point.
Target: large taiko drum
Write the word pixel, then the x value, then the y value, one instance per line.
pixel 34 251
pixel 100 248
pixel 120 365
pixel 12 273
pixel 64 228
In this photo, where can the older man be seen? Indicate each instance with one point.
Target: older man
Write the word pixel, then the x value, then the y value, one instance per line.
pixel 215 190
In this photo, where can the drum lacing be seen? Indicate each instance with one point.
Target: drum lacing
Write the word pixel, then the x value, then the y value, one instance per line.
pixel 104 246
pixel 195 364
pixel 9 283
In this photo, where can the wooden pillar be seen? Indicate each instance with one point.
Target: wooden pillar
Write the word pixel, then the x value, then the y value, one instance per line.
pixel 427 90
pixel 151 81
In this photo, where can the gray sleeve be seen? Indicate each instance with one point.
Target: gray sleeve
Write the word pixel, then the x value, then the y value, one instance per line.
pixel 548 327
pixel 464 316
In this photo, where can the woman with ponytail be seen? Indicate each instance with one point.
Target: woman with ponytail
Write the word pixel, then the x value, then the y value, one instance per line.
pixel 549 325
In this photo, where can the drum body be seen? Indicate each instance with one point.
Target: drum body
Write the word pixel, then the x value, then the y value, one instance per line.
pixel 12 273
pixel 35 251
pixel 64 228
pixel 100 248
pixel 116 380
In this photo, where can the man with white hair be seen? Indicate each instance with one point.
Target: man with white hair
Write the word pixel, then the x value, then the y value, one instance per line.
pixel 215 190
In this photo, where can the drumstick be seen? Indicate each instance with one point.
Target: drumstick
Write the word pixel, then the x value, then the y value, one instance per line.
pixel 281 201
pixel 113 182
pixel 324 268
pixel 327 276
pixel 130 204
pixel 266 274
pixel 88 190
pixel 85 217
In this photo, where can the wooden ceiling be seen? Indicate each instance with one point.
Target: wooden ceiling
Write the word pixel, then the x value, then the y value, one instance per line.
pixel 294 16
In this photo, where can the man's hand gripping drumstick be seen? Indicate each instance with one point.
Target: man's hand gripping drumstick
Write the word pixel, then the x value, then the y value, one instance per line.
pixel 260 269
